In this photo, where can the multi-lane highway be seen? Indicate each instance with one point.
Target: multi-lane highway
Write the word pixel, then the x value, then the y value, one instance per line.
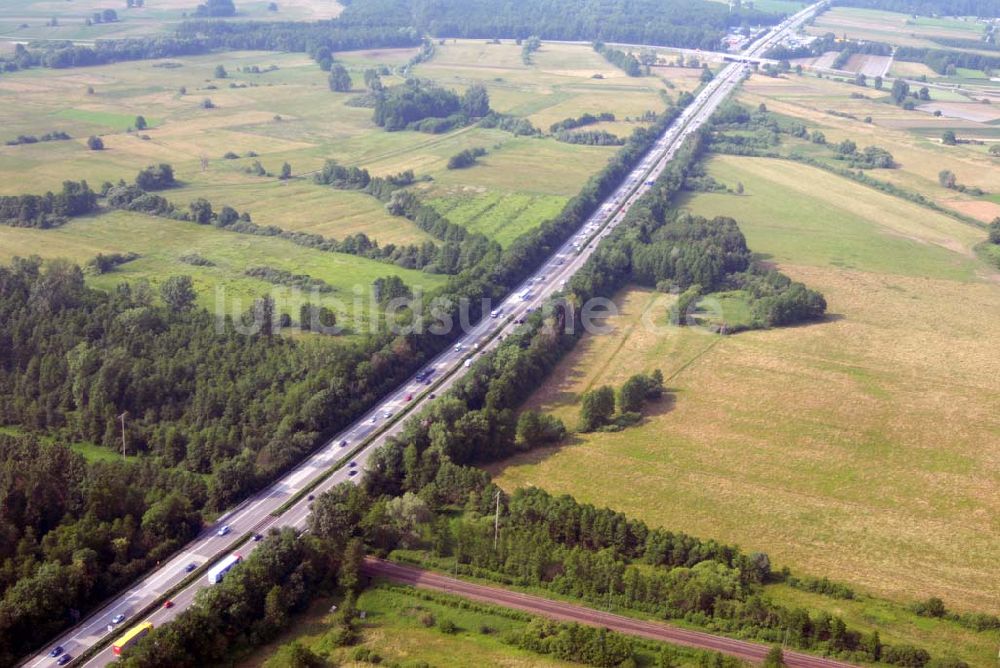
pixel 349 451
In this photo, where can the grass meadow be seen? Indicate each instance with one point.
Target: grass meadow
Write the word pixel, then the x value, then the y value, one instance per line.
pixel 393 629
pixel 893 27
pixel 861 448
pixel 286 113
pixel 913 137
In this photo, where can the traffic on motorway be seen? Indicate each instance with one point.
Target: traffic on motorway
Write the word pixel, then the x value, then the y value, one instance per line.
pixel 349 451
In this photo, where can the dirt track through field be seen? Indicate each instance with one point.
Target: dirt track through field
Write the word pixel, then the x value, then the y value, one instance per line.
pixel 562 611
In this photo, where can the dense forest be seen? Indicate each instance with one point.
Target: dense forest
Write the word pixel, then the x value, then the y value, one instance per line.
pixel 695 24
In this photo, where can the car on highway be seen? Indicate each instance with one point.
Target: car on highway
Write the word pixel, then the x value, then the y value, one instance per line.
pixel 190 567
pixel 311 497
pixel 63 660
pixel 352 472
pixel 467 363
pixel 118 619
pixel 56 651
pixel 387 415
pixel 343 443
pixel 409 397
pixel 223 531
pixel 168 604
pixel 374 419
pixel 431 395
pixel 458 347
pixel 259 537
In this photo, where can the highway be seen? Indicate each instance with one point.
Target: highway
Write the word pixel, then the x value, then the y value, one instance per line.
pixel 570 612
pixel 254 515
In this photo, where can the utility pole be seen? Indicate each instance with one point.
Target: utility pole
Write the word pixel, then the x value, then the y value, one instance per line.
pixel 496 523
pixel 122 418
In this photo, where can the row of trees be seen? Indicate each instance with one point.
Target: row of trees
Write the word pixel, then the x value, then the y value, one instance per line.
pixel 48 210
pixel 580 121
pixel 620 59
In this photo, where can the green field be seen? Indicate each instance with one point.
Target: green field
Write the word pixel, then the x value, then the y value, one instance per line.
pixel 502 217
pixel 913 137
pixel 823 445
pixel 392 628
pixel 403 628
pixel 288 114
pixel 222 288
pixel 895 28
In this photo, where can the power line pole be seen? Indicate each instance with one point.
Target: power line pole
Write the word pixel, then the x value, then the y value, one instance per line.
pixel 496 523
pixel 122 418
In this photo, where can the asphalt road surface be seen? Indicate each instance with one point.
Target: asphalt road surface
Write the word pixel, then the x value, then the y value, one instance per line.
pixel 569 612
pixel 341 452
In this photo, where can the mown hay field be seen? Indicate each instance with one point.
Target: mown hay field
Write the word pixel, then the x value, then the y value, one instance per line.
pixel 863 448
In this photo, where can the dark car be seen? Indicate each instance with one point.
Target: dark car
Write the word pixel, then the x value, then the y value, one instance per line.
pixel 353 464
pixel 343 443
pixel 63 660
pixel 352 472
pixel 190 567
pixel 56 651
pixel 258 537
pixel 431 395
pixel 311 497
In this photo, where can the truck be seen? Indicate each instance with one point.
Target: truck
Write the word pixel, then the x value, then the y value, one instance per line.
pixel 131 637
pixel 217 572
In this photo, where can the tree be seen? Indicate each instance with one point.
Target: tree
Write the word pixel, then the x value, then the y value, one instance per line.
pixel 878 82
pixel 340 79
pixel 860 79
pixel 227 216
pixel 948 138
pixel 156 177
pixel 596 408
pixel 95 143
pixel 201 211
pixel 632 394
pixel 140 123
pixel 373 81
pixel 178 293
pixel 947 178
pixel 706 74
pixel 817 137
pixel 534 428
pixel 900 89
pixel 476 101
pixel 286 172
pixel 847 147
pixel 220 72
pixel 775 658
pixel 994 228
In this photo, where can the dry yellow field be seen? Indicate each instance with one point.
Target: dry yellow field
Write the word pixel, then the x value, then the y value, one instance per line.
pixel 865 448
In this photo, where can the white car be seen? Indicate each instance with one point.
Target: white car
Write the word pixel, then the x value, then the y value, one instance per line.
pixel 223 530
pixel 458 347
